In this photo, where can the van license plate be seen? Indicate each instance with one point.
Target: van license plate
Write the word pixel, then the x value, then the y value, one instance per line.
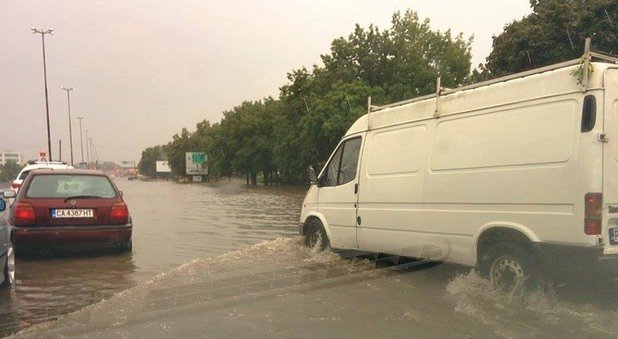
pixel 72 213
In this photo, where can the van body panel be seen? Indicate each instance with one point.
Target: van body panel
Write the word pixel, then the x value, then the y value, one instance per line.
pixel 337 206
pixel 511 155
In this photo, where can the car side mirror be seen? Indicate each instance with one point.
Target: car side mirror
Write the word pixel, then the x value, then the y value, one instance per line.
pixel 2 205
pixel 313 177
pixel 8 194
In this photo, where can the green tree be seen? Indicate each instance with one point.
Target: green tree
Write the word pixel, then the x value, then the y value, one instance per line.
pixel 147 163
pixel 389 65
pixel 9 171
pixel 176 149
pixel 555 31
pixel 277 138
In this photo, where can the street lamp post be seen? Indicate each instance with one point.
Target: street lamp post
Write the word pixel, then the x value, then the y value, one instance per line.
pixel 87 150
pixel 81 141
pixel 43 32
pixel 94 155
pixel 69 89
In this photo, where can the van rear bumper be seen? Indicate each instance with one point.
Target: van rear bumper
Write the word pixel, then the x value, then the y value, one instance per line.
pixel 568 261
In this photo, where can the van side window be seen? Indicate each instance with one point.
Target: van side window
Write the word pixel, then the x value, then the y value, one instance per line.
pixel 589 113
pixel 342 167
pixel 333 168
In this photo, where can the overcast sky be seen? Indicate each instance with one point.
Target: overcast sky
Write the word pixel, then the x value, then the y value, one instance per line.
pixel 145 69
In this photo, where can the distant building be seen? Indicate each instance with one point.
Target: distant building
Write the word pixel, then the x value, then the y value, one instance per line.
pixel 11 156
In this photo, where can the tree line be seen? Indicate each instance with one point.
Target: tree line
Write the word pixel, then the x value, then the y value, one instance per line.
pixel 273 140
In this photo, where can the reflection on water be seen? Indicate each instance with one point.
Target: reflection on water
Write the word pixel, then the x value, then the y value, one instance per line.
pixel 173 223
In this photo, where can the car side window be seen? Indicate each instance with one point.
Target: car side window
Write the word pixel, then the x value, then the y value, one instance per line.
pixel 342 167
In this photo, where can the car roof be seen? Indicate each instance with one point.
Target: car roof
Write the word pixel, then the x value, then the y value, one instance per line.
pixel 46 165
pixel 67 171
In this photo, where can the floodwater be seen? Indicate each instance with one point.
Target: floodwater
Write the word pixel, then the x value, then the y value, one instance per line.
pixel 225 261
pixel 173 224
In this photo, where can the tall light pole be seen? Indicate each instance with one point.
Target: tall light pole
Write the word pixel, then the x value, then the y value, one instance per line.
pixel 81 141
pixel 91 152
pixel 43 32
pixel 87 150
pixel 69 89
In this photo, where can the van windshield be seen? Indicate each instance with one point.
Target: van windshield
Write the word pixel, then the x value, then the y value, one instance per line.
pixel 64 186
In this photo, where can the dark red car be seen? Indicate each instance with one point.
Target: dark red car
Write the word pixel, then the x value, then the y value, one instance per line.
pixel 72 209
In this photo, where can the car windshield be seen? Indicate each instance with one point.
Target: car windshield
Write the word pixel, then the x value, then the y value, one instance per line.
pixel 65 186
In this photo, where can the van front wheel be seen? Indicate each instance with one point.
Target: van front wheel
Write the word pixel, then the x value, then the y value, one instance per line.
pixel 315 237
pixel 510 267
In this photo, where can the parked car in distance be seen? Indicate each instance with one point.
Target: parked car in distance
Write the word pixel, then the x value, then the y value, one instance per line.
pixel 70 209
pixel 16 184
pixel 7 253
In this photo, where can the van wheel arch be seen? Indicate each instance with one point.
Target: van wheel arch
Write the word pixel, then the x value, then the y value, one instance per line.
pixel 310 219
pixel 494 236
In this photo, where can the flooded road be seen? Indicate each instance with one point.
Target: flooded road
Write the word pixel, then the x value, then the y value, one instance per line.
pixel 173 224
pixel 225 261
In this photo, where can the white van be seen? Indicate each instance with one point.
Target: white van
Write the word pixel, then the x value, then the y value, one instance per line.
pixel 512 175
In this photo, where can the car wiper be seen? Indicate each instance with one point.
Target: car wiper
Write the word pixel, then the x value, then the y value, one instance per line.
pixel 82 197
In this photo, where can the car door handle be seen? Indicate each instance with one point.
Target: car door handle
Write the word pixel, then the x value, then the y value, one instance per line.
pixel 358 220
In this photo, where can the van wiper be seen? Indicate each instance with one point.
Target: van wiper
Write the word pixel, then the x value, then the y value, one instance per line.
pixel 82 197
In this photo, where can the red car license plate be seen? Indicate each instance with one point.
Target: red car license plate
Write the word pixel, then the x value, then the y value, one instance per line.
pixel 72 213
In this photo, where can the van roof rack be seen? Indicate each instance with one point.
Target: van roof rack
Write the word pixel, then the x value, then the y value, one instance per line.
pixel 588 57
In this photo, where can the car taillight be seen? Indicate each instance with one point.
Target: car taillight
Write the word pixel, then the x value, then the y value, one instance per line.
pixel 24 214
pixel 120 212
pixel 15 186
pixel 593 211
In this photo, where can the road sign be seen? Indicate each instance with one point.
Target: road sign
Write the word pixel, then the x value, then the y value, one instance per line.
pixel 196 163
pixel 163 166
pixel 127 164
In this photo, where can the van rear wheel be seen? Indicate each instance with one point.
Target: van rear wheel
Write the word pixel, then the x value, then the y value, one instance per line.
pixel 315 237
pixel 510 268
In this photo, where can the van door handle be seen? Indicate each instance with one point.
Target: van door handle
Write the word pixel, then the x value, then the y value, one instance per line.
pixel 358 220
pixel 356 188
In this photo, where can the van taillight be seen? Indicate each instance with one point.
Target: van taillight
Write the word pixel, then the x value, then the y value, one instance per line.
pixel 120 212
pixel 593 211
pixel 24 214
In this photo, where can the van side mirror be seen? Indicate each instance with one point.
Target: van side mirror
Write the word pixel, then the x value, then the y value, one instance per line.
pixel 8 194
pixel 2 205
pixel 313 177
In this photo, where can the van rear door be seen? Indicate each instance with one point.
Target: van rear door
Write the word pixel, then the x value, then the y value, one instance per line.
pixel 610 156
